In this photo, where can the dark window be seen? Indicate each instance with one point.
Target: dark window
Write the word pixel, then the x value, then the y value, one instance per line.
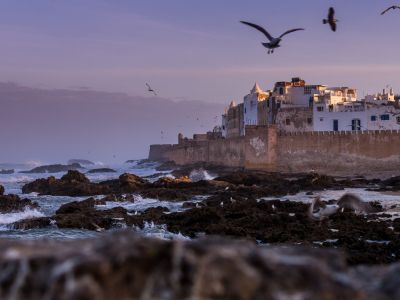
pixel 356 124
pixel 287 121
pixel 373 118
pixel 309 121
pixel 398 120
pixel 223 127
pixel 320 108
pixel 245 110
pixel 281 91
pixel 335 125
pixel 385 117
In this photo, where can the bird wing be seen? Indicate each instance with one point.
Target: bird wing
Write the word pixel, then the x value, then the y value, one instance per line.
pixel 148 85
pixel 259 28
pixel 389 8
pixel 331 14
pixel 333 26
pixel 290 31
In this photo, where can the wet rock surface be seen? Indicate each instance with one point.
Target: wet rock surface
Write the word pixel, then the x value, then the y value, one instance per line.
pixel 232 206
pixel 126 266
pixel 13 203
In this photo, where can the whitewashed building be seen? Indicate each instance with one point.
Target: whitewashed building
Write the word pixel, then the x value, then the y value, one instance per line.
pixel 250 104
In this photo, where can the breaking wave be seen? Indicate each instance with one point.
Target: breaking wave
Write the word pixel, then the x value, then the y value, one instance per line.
pixel 9 218
pixel 200 174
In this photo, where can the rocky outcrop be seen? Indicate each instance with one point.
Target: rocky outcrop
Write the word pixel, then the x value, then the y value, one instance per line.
pixel 101 170
pixel 53 168
pixel 13 203
pixel 1 190
pixel 82 162
pixel 73 183
pixel 6 171
pixel 126 266
pixel 84 215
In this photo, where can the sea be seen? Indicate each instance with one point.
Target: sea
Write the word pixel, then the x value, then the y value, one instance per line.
pixel 49 204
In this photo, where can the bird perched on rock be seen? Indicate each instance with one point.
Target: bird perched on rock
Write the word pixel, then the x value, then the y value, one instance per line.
pixel 331 19
pixel 319 210
pixel 390 8
pixel 273 42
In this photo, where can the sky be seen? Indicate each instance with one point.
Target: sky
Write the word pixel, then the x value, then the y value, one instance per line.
pixel 195 50
pixel 187 50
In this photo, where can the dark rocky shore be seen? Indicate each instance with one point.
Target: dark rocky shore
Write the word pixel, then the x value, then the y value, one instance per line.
pixel 233 207
pixel 126 266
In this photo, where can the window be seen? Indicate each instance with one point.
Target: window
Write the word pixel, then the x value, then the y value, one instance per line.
pixel 385 117
pixel 321 119
pixel 373 118
pixel 245 110
pixel 335 125
pixel 223 127
pixel 398 119
pixel 356 124
pixel 287 121
pixel 320 108
pixel 309 121
pixel 281 91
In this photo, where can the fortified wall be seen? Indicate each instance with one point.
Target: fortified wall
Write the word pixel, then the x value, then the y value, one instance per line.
pixel 264 148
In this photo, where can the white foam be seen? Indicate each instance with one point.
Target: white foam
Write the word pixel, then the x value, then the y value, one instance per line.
pixel 10 218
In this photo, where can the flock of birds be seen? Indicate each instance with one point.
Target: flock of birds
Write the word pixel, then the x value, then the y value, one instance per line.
pixel 274 43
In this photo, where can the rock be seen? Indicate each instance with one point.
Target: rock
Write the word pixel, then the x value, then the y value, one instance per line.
pixel 171 182
pixel 73 183
pixel 130 182
pixel 53 168
pixel 34 223
pixel 1 190
pixel 101 170
pixel 75 177
pixel 126 266
pixel 83 162
pixel 84 215
pixel 5 172
pixel 12 203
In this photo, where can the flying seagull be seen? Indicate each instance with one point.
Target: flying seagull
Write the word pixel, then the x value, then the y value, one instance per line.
pixel 273 42
pixel 319 210
pixel 149 89
pixel 389 8
pixel 331 19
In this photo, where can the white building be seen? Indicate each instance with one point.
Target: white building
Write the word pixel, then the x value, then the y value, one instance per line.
pixel 250 104
pixel 357 115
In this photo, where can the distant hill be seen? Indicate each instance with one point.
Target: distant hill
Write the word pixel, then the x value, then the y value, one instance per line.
pixel 55 125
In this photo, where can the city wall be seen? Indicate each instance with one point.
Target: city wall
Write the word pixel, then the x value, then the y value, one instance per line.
pixel 265 148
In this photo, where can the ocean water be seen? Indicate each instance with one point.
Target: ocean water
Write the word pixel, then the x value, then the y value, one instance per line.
pixel 49 204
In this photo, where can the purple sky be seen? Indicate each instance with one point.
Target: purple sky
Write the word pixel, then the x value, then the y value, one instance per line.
pixel 187 50
pixel 195 49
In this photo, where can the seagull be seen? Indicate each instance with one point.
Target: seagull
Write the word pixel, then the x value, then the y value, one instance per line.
pixel 273 42
pixel 331 19
pixel 389 8
pixel 149 89
pixel 319 210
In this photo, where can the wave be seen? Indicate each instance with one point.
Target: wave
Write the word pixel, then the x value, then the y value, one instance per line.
pixel 200 174
pixel 9 218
